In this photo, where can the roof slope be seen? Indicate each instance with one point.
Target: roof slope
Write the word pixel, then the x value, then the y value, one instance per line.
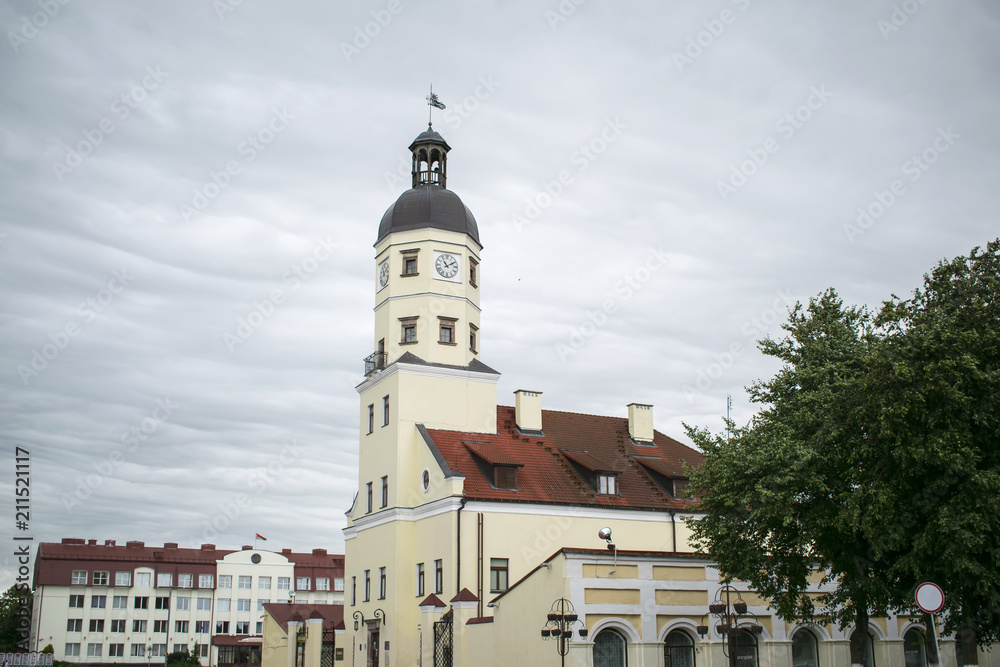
pixel 332 614
pixel 547 474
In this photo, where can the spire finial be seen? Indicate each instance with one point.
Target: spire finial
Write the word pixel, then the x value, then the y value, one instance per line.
pixel 432 101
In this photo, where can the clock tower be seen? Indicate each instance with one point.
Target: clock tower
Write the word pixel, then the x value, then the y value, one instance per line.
pixel 425 373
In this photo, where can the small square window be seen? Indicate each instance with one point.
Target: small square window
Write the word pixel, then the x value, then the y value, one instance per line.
pixel 123 578
pixel 505 477
pixel 97 625
pixel 160 626
pixel 183 604
pixel 142 578
pixel 447 330
pixel 204 604
pixel 322 583
pixel 74 625
pixel 80 578
pixel 338 584
pixel 118 625
pixel 119 602
pixel 222 627
pixel 162 603
pixel 72 650
pixel 164 580
pixel 264 583
pixel 100 578
pixel 410 261
pixel 185 580
pixel 284 583
pixel 202 627
pixel 138 626
pixel 138 650
pixel 204 581
pixel 98 601
pixel 223 604
pixel 225 581
pixel 246 583
pixel 181 627
pixel 140 603
pixel 302 583
pixel 76 601
pixel 243 604
pixel 94 650
pixel 116 650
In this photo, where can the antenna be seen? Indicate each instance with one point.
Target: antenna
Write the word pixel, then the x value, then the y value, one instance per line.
pixel 729 408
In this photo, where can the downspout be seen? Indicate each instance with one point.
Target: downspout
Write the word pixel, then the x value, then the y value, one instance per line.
pixel 458 555
pixel 673 531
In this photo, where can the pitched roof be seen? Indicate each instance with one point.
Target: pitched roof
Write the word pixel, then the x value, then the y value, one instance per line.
pixel 553 466
pixel 332 614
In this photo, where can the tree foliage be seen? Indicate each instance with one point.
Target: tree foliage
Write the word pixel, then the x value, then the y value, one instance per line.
pixel 15 611
pixel 183 658
pixel 875 457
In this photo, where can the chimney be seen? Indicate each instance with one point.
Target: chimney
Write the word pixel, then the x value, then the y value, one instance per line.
pixel 528 410
pixel 109 543
pixel 286 551
pixel 208 547
pixel 640 422
pixel 169 545
pixel 319 552
pixel 247 547
pixel 92 543
pixel 135 544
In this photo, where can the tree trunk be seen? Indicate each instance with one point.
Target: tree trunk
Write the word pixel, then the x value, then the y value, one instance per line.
pixel 859 639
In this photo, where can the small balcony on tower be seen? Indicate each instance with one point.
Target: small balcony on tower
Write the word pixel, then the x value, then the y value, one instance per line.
pixel 376 361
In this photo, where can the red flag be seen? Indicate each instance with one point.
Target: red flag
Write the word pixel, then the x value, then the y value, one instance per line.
pixel 260 537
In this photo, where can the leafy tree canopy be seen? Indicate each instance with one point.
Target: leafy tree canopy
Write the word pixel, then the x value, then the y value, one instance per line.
pixel 875 458
pixel 15 611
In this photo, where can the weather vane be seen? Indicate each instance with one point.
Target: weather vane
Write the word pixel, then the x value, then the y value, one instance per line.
pixel 433 101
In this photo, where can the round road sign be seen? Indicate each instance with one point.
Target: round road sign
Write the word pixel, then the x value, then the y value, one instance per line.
pixel 930 597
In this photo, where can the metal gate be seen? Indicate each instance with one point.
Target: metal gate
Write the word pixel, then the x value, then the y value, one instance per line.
pixel 326 657
pixel 442 643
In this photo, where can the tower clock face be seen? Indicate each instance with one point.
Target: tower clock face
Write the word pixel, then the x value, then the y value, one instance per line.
pixel 383 274
pixel 446 265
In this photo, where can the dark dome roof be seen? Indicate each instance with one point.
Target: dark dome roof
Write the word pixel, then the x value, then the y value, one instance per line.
pixel 429 135
pixel 428 206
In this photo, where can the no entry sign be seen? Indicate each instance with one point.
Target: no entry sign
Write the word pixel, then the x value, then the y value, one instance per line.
pixel 930 598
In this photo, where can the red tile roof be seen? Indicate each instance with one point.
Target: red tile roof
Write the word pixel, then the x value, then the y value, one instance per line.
pixel 549 475
pixel 54 562
pixel 332 614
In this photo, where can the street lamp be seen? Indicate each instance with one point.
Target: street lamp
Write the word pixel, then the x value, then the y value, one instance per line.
pixel 559 626
pixel 730 614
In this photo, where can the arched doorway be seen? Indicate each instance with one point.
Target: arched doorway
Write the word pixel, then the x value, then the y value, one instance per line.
pixel 914 650
pixel 805 649
pixel 678 649
pixel 869 657
pixel 609 649
pixel 745 648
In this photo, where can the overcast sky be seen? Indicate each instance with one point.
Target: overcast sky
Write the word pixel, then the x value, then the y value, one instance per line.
pixel 655 183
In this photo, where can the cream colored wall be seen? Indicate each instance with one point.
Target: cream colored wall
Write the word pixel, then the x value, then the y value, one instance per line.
pixel 426 297
pixel 274 648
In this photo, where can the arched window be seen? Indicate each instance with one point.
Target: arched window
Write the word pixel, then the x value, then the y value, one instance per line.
pixel 869 658
pixel 746 649
pixel 609 649
pixel 678 649
pixel 805 649
pixel 913 648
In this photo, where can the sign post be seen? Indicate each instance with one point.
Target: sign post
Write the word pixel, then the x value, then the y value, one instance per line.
pixel 930 599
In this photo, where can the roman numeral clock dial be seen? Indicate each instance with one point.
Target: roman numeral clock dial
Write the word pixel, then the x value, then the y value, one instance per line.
pixel 446 265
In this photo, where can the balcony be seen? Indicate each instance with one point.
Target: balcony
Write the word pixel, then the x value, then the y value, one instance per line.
pixel 374 362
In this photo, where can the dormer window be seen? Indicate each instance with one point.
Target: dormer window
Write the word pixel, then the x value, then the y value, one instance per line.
pixel 607 485
pixel 496 463
pixel 505 477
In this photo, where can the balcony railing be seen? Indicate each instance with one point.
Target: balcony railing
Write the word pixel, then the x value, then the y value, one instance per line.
pixel 374 362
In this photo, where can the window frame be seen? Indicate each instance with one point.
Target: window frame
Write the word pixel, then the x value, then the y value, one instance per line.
pixel 72 650
pixel 420 580
pixel 381 583
pixel 385 410
pixel 368 586
pixel 185 581
pixel 607 484
pixel 74 625
pixel 371 418
pixel 167 577
pixel 408 330
pixel 499 575
pixel 244 583
pixel 98 601
pixel 410 270
pixel 77 599
pixel 439 576
pixel 473 338
pixel 78 578
pixel 183 604
pixel 101 578
pixel 447 324
pixel 123 578
pixel 206 581
pixel 225 581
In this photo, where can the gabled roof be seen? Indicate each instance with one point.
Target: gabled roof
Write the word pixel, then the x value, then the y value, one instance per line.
pixel 332 614
pixel 548 471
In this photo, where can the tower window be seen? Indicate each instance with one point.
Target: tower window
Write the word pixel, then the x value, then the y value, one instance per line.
pixel 408 335
pixel 473 338
pixel 473 272
pixel 410 262
pixel 447 336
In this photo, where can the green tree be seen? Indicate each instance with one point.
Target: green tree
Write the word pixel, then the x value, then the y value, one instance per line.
pixel 873 457
pixel 15 611
pixel 183 658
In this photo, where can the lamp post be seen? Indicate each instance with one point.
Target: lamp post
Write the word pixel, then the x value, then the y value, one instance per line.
pixel 730 614
pixel 559 626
